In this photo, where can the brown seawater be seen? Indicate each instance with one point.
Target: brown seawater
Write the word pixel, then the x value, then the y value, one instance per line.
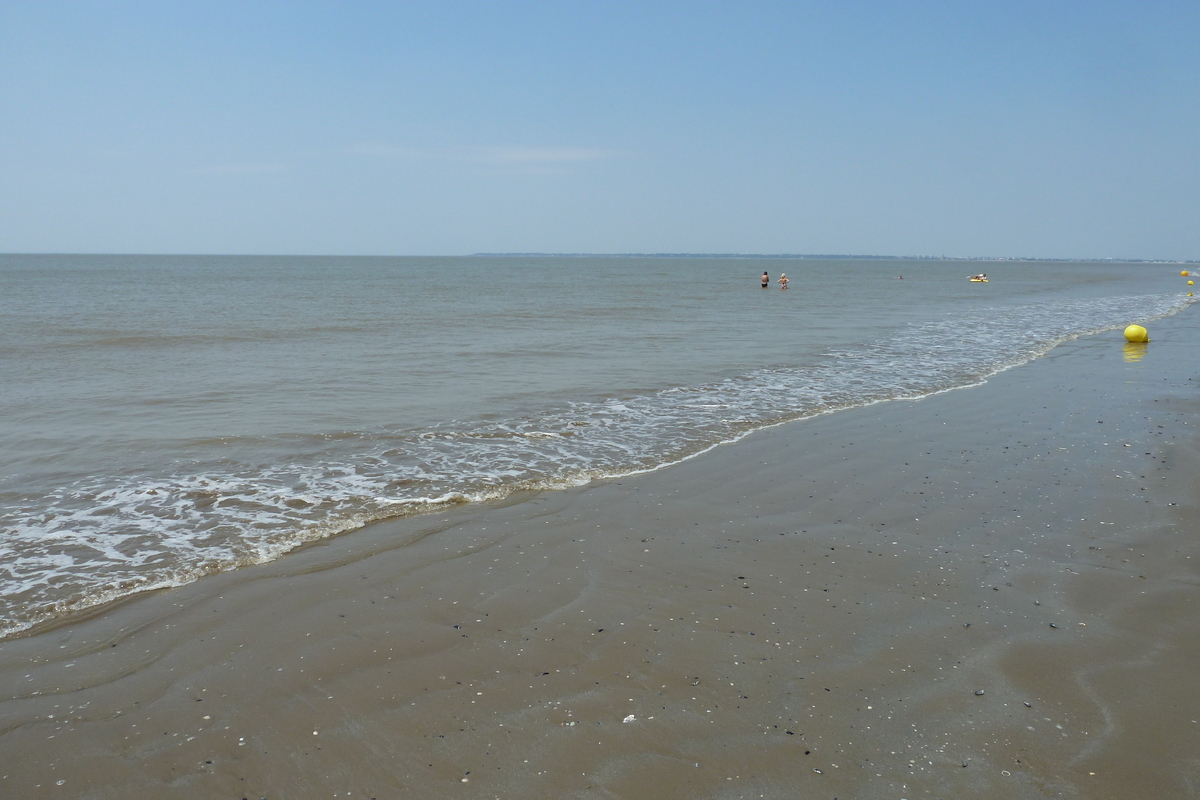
pixel 167 417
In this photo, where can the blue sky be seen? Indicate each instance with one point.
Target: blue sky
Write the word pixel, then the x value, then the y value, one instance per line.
pixel 1054 129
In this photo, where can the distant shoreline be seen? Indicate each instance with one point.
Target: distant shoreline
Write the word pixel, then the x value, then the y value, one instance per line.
pixel 833 256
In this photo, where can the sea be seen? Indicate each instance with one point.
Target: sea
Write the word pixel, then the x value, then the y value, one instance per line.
pixel 164 418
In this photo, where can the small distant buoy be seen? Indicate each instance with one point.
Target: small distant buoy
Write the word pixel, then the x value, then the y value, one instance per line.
pixel 1191 283
pixel 1184 273
pixel 1136 334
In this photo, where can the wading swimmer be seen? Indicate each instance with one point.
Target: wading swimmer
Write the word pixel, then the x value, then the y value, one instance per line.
pixel 766 280
pixel 783 281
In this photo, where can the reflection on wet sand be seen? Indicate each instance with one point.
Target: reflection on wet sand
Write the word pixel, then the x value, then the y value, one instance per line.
pixel 1135 351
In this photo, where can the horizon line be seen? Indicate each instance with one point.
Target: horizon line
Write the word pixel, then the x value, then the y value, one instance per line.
pixel 839 256
pixel 749 256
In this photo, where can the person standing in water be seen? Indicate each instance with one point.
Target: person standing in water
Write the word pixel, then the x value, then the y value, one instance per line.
pixel 783 281
pixel 766 280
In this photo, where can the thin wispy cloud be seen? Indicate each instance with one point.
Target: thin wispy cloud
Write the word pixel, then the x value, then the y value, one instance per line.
pixel 386 151
pixel 238 169
pixel 487 154
pixel 534 155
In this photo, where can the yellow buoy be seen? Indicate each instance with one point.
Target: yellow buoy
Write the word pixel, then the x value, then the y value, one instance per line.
pixel 1136 333
pixel 1191 283
pixel 1184 273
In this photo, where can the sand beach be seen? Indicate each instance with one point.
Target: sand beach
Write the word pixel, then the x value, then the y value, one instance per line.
pixel 992 592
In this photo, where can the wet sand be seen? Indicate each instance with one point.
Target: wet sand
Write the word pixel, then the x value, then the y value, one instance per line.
pixel 990 593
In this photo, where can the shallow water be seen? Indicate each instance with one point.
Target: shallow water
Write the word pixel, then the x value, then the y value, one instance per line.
pixel 168 417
